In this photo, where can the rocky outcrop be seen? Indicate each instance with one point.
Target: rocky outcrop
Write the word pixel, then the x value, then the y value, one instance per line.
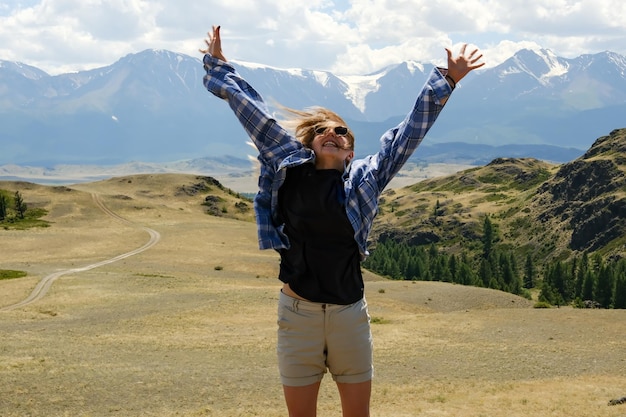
pixel 585 194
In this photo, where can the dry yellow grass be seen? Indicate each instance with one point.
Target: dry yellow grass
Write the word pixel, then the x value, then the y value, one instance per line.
pixel 166 333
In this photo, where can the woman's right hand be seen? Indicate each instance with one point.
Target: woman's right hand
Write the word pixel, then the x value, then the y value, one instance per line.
pixel 214 44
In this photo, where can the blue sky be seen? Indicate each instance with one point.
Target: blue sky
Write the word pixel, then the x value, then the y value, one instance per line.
pixel 348 37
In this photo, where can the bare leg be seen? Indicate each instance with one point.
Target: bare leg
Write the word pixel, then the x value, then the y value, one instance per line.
pixel 302 401
pixel 355 399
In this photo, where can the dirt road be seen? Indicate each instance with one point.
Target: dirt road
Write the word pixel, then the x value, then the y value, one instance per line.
pixel 46 282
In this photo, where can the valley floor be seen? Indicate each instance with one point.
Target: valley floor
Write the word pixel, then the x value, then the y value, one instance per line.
pixel 187 328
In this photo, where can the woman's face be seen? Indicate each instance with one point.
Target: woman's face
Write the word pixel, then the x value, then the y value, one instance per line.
pixel 331 146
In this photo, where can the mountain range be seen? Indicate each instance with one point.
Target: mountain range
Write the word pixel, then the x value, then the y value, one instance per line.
pixel 151 107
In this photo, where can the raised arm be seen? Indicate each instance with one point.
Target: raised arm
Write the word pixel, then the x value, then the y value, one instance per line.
pixel 272 141
pixel 399 143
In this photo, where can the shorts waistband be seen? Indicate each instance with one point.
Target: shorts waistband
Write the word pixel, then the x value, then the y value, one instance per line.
pixel 308 305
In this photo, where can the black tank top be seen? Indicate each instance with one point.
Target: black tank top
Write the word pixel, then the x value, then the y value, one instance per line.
pixel 323 261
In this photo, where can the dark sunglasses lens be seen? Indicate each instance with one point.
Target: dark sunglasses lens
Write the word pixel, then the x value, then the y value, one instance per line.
pixel 341 130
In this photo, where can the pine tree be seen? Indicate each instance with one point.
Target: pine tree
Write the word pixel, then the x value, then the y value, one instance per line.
pixel 507 272
pixel 485 273
pixel 516 282
pixel 391 269
pixel 589 285
pixel 453 267
pixel 529 273
pixel 403 261
pixel 418 268
pixel 581 272
pixel 488 237
pixel 20 205
pixel 619 296
pixel 557 278
pixel 596 263
pixel 443 271
pixel 604 289
pixel 3 206
pixel 466 276
pixel 549 294
pixel 497 276
pixel 433 256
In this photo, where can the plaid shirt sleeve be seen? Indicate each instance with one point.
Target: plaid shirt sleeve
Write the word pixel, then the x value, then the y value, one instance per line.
pixel 399 143
pixel 277 148
pixel 272 141
pixel 369 176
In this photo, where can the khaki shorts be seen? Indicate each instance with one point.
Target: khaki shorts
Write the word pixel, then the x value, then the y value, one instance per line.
pixel 314 338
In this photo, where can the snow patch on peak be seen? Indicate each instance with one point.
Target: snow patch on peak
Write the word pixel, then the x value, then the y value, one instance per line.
pixel 251 65
pixel 294 72
pixel 414 67
pixel 24 70
pixel 541 64
pixel 555 66
pixel 618 60
pixel 359 86
pixel 321 77
pixel 254 66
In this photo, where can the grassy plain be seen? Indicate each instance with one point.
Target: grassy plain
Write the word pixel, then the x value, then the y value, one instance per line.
pixel 187 328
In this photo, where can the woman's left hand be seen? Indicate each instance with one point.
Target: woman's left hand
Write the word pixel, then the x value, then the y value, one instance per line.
pixel 460 66
pixel 214 44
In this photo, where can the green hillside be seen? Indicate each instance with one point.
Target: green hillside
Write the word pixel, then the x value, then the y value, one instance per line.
pixel 536 212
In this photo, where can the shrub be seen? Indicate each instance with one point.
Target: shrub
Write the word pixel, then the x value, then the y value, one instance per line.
pixel 9 274
pixel 542 304
pixel 378 320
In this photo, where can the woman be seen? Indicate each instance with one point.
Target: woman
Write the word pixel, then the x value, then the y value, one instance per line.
pixel 315 206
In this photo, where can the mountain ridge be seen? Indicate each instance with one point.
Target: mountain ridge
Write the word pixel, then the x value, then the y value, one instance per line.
pixel 151 106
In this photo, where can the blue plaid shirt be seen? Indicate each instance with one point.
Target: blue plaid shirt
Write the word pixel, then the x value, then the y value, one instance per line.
pixel 364 179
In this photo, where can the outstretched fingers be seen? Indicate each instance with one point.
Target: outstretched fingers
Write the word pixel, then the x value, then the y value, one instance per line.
pixel 213 43
pixel 206 50
pixel 473 61
pixel 207 41
pixel 466 61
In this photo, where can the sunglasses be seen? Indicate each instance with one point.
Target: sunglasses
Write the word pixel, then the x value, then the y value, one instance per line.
pixel 339 130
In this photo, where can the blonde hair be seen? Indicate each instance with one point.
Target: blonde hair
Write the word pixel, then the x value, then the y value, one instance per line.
pixel 304 122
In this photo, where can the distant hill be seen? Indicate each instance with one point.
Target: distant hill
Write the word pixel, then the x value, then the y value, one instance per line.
pixel 551 211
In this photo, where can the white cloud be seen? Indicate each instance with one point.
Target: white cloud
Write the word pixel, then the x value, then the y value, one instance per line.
pixel 356 36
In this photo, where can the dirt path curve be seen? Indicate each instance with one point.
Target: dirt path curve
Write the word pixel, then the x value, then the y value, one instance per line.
pixel 44 285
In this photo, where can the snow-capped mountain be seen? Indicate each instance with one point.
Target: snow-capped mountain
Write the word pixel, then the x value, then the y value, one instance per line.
pixel 152 107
